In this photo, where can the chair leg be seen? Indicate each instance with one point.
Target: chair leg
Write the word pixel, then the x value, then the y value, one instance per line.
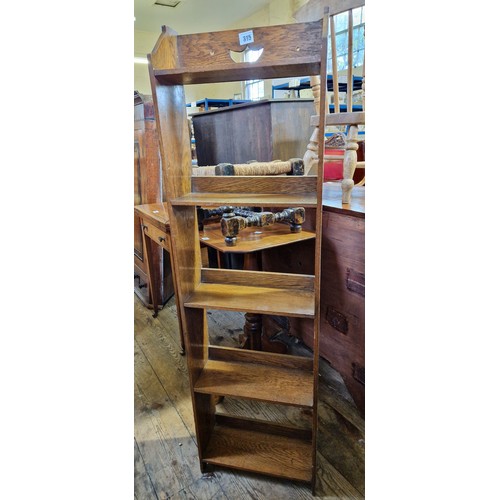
pixel 350 159
pixel 311 155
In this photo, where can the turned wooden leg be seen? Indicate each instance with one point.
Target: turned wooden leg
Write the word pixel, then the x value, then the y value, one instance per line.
pixel 253 331
pixel 350 159
pixel 311 155
pixel 253 322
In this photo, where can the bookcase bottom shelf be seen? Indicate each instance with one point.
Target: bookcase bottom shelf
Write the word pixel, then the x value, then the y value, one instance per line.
pixel 262 452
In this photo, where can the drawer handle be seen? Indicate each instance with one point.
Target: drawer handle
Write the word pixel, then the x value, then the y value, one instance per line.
pixel 161 238
pixel 144 228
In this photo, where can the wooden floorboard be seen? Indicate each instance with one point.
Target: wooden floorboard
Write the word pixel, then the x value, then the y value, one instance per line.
pixel 143 485
pixel 166 458
pixel 164 441
pixel 161 347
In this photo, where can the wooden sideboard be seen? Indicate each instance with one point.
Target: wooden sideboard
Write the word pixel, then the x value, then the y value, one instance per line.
pixel 147 189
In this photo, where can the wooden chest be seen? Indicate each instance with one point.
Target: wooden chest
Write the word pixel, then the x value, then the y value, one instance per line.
pixel 263 130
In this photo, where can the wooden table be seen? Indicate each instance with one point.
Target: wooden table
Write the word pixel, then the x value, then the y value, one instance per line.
pixel 332 200
pixel 251 242
pixel 155 227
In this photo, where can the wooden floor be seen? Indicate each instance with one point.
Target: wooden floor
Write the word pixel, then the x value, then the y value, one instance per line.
pixel 166 456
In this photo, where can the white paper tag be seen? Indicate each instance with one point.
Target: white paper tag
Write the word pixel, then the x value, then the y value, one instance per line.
pixel 246 37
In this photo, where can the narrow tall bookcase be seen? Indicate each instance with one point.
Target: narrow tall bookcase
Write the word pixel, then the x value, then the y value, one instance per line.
pixel 248 444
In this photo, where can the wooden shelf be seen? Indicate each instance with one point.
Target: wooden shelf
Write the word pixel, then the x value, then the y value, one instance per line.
pixel 279 301
pixel 246 199
pixel 256 184
pixel 238 72
pixel 257 381
pixel 288 51
pixel 258 190
pixel 305 83
pixel 249 450
pixel 252 190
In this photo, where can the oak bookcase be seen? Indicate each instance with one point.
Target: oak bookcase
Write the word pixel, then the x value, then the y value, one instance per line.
pixel 241 443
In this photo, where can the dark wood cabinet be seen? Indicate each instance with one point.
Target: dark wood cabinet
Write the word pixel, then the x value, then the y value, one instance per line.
pixel 263 130
pixel 148 189
pixel 342 324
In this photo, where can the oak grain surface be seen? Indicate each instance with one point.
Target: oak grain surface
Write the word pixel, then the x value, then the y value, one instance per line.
pixel 271 454
pixel 264 184
pixel 247 298
pixel 253 239
pixel 246 199
pixel 256 381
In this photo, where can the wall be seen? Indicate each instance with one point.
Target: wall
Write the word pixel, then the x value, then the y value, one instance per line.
pixel 277 12
pixel 144 41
